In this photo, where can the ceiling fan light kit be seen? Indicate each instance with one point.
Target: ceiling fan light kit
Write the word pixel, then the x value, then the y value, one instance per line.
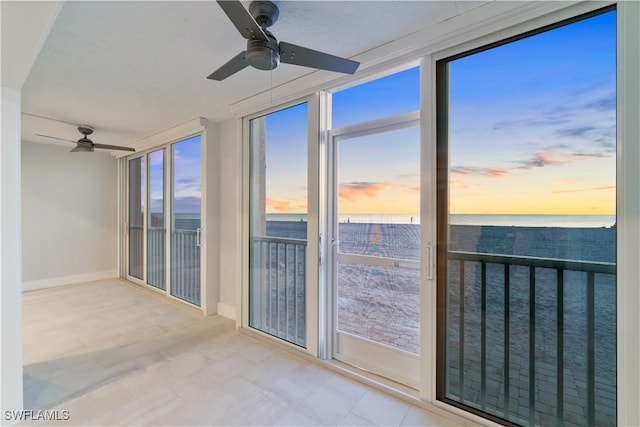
pixel 263 50
pixel 85 145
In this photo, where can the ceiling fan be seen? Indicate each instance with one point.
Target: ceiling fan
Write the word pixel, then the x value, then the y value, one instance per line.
pixel 86 145
pixel 263 50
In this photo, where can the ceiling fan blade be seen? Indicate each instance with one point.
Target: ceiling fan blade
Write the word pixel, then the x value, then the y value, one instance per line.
pixel 53 137
pixel 236 64
pixel 242 19
pixel 298 55
pixel 113 147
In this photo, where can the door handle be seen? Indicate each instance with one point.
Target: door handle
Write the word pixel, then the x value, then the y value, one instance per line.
pixel 199 237
pixel 430 266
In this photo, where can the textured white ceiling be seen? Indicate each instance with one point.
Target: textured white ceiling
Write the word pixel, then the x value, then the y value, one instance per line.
pixel 132 69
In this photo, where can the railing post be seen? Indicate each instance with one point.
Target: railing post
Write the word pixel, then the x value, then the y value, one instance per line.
pixel 506 341
pixel 483 337
pixel 560 348
pixel 591 365
pixel 461 334
pixel 532 345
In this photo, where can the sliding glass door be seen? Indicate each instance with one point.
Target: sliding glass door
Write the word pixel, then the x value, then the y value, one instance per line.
pixel 160 181
pixel 278 228
pixel 186 196
pixel 156 228
pixel 135 228
pixel 527 227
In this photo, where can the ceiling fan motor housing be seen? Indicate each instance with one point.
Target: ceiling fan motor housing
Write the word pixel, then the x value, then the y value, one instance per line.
pixel 264 12
pixel 263 55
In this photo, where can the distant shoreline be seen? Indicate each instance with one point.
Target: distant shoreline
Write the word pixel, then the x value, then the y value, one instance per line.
pixel 518 220
pixel 403 240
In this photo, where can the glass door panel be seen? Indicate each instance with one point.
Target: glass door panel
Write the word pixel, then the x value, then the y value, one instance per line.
pixel 156 228
pixel 377 254
pixel 185 220
pixel 136 217
pixel 278 224
pixel 527 228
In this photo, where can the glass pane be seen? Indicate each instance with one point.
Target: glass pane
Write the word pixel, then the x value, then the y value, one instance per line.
pixel 187 193
pixel 378 206
pixel 156 230
pixel 395 94
pixel 136 218
pixel 277 294
pixel 530 279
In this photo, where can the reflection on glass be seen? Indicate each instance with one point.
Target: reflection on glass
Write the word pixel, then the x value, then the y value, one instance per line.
pixel 185 220
pixel 378 275
pixel 136 218
pixel 156 231
pixel 277 293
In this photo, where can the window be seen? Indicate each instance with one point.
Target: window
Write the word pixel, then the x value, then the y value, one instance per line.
pixel 527 226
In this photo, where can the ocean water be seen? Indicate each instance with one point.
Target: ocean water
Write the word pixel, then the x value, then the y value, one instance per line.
pixel 566 221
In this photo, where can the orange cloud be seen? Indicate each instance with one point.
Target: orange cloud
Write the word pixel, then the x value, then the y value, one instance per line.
pixel 490 172
pixel 352 191
pixel 582 190
pixel 278 205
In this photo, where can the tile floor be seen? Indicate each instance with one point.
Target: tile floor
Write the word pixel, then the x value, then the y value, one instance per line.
pixel 114 354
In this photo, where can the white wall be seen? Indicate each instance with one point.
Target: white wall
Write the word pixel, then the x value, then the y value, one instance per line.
pixel 10 290
pixel 230 216
pixel 69 215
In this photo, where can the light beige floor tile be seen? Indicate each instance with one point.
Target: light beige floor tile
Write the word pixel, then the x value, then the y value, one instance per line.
pixel 116 354
pixel 381 409
pixel 141 410
pixel 333 400
pixel 419 417
pixel 353 420
pixel 295 418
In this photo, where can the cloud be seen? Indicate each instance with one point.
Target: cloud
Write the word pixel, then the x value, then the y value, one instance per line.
pixel 605 103
pixel 577 131
pixel 471 170
pixel 550 158
pixel 279 205
pixel 353 191
pixel 284 206
pixel 550 120
pixel 583 190
pixel 187 204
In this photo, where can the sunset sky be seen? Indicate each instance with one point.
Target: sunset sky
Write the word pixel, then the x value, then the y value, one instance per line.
pixel 532 131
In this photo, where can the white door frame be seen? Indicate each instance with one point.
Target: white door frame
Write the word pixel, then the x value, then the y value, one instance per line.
pixel 386 361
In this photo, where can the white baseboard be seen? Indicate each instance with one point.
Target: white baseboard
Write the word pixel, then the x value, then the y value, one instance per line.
pixel 227 310
pixel 33 285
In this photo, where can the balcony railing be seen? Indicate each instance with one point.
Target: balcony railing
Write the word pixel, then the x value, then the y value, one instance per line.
pixel 136 251
pixel 278 289
pixel 156 261
pixel 521 338
pixel 185 265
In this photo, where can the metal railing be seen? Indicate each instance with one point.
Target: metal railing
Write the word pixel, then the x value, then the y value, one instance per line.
pixel 136 251
pixel 185 260
pixel 510 299
pixel 185 265
pixel 278 288
pixel 156 260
